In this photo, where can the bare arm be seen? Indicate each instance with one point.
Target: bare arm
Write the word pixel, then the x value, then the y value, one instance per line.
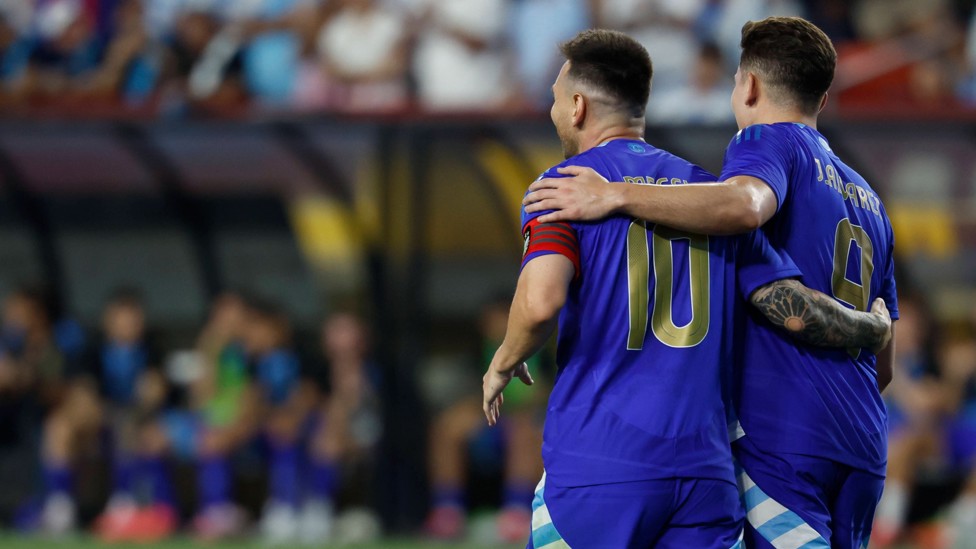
pixel 737 205
pixel 816 319
pixel 540 295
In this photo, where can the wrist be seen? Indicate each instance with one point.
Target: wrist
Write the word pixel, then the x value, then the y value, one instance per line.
pixel 502 363
pixel 616 197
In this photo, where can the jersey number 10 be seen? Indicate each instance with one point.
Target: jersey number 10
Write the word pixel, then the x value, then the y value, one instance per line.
pixel 639 257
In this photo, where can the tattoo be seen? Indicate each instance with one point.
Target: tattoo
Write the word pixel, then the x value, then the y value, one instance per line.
pixel 815 318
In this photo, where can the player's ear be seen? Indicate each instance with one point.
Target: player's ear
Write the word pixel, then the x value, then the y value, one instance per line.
pixel 579 109
pixel 823 102
pixel 752 86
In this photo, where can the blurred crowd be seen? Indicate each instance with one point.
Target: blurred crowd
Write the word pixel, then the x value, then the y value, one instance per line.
pixel 173 57
pixel 930 491
pixel 248 430
pixel 118 407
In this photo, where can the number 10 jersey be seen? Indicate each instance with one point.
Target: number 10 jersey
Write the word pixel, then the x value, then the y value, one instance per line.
pixel 645 344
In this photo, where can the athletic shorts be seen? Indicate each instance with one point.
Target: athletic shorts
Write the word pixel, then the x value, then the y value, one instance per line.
pixel 796 501
pixel 663 514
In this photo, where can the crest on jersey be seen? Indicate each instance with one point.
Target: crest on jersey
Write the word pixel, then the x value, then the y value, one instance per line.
pixel 527 236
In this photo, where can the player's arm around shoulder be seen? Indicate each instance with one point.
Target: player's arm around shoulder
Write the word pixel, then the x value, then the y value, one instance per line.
pixel 816 319
pixel 737 205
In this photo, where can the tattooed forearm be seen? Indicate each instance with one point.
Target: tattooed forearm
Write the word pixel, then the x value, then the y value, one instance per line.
pixel 815 318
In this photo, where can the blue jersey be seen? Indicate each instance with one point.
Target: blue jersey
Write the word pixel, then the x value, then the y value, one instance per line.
pixel 645 334
pixel 277 373
pixel 795 398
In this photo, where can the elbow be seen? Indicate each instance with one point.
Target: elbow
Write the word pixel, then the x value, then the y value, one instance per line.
pixel 542 307
pixel 747 214
pixel 748 206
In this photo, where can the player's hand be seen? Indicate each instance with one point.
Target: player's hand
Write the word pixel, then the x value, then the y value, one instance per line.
pixel 584 196
pixel 880 309
pixel 494 383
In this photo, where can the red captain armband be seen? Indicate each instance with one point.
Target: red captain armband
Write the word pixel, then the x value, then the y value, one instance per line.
pixel 550 238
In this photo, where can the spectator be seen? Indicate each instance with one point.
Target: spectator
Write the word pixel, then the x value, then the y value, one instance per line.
pixel 128 69
pixel 228 405
pixel 958 361
pixel 704 99
pixel 274 33
pixel 285 402
pixel 68 50
pixel 33 383
pixel 33 363
pixel 461 63
pixel 201 72
pixel 537 26
pixel 363 52
pixel 348 430
pixel 455 428
pixel 735 13
pixel 122 389
pixel 916 412
pixel 15 51
pixel 664 27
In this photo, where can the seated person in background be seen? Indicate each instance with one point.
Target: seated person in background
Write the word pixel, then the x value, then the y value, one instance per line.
pixel 227 404
pixel 32 385
pixel 123 390
pixel 285 404
pixel 957 359
pixel 347 431
pixel 916 402
pixel 455 427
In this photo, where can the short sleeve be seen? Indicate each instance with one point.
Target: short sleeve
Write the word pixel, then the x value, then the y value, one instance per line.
pixel 759 151
pixel 549 238
pixel 758 263
pixel 889 290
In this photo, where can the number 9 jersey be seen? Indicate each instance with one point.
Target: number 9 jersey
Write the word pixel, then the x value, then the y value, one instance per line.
pixel 798 399
pixel 645 337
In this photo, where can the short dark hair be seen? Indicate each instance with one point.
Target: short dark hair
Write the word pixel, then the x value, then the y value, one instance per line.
pixel 614 63
pixel 792 56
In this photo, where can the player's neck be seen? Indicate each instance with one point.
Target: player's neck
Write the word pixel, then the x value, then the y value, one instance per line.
pixel 603 135
pixel 774 115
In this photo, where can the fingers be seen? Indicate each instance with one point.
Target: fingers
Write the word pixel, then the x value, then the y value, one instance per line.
pixel 545 183
pixel 491 405
pixel 544 193
pixel 573 170
pixel 524 375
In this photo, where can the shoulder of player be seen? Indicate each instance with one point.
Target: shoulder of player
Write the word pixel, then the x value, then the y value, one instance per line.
pixel 696 174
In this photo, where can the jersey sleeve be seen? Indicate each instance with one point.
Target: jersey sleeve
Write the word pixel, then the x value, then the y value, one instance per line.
pixel 758 263
pixel 889 291
pixel 549 238
pixel 759 151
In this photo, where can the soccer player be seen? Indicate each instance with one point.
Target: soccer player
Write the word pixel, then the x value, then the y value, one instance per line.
pixel 228 405
pixel 636 448
pixel 286 402
pixel 123 390
pixel 813 455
